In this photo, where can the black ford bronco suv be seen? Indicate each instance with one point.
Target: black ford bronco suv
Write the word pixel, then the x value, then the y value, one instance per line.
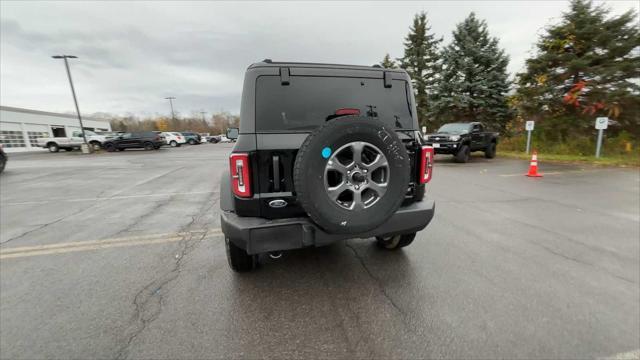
pixel 324 153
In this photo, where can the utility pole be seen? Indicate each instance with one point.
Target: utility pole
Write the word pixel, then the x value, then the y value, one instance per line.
pixel 173 114
pixel 73 92
pixel 203 112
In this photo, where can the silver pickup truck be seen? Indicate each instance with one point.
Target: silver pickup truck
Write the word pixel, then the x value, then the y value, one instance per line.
pixel 54 144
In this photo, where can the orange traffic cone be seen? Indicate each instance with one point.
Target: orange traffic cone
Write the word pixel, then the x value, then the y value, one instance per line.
pixel 533 166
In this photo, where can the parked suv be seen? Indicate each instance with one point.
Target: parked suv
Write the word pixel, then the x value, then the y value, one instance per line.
pixel 175 139
pixel 460 139
pixel 324 153
pixel 192 138
pixel 147 140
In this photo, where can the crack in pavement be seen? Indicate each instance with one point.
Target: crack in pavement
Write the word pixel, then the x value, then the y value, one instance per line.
pixel 377 281
pixel 148 301
pixel 144 215
pixel 87 208
pixel 46 225
pixel 558 252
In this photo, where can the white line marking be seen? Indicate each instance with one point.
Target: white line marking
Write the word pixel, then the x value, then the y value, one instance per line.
pixel 629 355
pixel 523 174
pixel 16 252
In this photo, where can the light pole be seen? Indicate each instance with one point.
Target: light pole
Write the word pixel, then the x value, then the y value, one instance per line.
pixel 173 114
pixel 73 91
pixel 203 112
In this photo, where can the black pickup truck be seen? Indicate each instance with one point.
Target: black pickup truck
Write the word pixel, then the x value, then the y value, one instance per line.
pixel 460 139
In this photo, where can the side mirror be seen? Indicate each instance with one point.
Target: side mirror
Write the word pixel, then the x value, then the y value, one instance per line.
pixel 232 133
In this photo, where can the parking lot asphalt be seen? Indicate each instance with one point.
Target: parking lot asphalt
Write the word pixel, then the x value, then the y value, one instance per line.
pixel 119 255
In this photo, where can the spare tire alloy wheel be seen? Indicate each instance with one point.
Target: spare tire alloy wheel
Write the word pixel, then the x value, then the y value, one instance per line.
pixel 363 169
pixel 356 175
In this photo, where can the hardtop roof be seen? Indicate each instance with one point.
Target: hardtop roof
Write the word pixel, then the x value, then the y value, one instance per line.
pixel 270 63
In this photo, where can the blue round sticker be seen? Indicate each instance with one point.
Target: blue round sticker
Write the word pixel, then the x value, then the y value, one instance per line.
pixel 326 152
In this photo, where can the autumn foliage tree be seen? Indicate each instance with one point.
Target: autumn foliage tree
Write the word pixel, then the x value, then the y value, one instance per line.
pixel 585 66
pixel 216 124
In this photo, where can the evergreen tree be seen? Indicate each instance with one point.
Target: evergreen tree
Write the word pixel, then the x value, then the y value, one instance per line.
pixel 388 63
pixel 421 61
pixel 474 81
pixel 588 65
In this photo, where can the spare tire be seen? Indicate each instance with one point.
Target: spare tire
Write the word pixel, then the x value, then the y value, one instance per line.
pixel 351 174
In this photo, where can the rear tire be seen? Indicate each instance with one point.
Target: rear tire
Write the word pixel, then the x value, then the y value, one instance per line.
pixel 149 146
pixel 239 260
pixel 463 154
pixel 490 153
pixel 96 145
pixel 173 143
pixel 395 242
pixel 54 148
pixel 192 142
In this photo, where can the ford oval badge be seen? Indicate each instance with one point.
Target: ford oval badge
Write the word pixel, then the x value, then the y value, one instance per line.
pixel 277 203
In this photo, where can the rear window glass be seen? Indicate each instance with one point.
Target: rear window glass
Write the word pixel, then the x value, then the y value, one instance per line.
pixel 307 102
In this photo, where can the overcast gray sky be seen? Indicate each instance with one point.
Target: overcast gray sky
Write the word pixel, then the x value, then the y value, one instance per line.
pixel 134 54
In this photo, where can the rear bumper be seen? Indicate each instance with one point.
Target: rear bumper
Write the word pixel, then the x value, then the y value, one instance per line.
pixel 445 148
pixel 258 235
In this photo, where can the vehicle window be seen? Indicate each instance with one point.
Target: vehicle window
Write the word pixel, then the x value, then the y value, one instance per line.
pixel 476 127
pixel 127 135
pixel 308 102
pixel 454 128
pixel 76 134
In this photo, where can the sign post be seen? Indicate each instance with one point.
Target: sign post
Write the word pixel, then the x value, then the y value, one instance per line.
pixel 601 124
pixel 529 127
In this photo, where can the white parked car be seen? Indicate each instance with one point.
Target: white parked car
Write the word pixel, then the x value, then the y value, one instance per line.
pixel 174 138
pixel 224 138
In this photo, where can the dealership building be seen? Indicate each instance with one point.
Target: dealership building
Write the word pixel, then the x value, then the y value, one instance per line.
pixel 19 128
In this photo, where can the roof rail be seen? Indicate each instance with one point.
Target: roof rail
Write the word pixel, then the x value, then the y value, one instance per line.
pixel 268 61
pixel 376 66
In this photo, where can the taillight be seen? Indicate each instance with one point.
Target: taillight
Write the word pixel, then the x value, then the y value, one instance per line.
pixel 426 164
pixel 240 180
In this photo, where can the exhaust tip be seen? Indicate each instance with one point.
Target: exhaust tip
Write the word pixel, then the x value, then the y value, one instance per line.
pixel 275 254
